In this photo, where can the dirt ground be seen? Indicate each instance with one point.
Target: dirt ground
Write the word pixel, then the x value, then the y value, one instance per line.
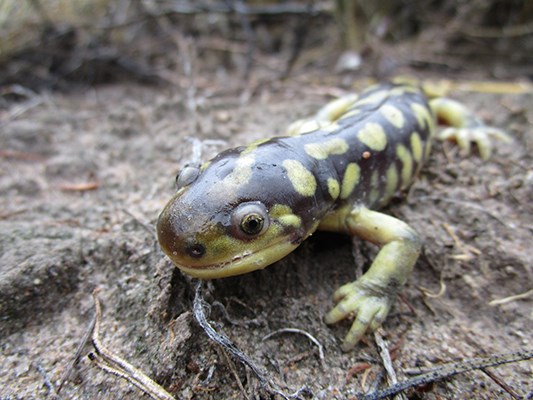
pixel 84 175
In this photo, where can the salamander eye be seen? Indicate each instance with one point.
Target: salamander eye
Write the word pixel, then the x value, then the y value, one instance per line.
pixel 187 175
pixel 250 220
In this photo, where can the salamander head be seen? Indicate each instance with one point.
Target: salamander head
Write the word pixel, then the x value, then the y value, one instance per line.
pixel 214 227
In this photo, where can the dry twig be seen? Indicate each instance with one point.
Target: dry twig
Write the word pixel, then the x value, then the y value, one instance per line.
pixel 509 299
pixel 428 293
pixel 80 187
pixel 199 306
pixel 451 369
pixel 110 362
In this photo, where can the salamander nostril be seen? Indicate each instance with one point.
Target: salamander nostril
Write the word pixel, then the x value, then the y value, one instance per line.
pixel 196 250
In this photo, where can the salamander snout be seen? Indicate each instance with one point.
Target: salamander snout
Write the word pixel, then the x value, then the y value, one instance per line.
pixel 174 238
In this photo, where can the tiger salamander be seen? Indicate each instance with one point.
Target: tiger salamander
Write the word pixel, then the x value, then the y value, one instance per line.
pixel 252 205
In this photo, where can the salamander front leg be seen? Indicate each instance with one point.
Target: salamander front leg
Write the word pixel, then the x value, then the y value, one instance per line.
pixel 371 296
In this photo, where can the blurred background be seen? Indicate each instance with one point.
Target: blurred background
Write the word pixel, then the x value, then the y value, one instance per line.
pixel 62 44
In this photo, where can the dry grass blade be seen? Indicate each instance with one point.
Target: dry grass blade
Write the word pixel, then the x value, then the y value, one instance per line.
pixel 501 383
pixel 386 359
pixel 110 362
pixel 77 355
pixel 301 332
pixel 510 299
pixel 448 370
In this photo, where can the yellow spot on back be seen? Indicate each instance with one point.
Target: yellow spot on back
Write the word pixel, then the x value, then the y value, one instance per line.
pixel 407 164
pixel 303 126
pixel 373 98
pixel 393 115
pixel 308 126
pixel 279 210
pixel 401 90
pixel 350 180
pixel 374 192
pixel 241 174
pixel 252 146
pixel 392 183
pixel 373 197
pixel 290 220
pixel 374 179
pixel 301 178
pixel 416 147
pixel 423 116
pixel 373 135
pixel 322 150
pixel 334 188
pixel 283 214
pixel 330 127
pixel 336 108
pixel 350 113
pixel 428 149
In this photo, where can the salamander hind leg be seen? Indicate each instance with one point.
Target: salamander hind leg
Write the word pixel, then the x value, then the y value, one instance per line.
pixel 371 296
pixel 465 128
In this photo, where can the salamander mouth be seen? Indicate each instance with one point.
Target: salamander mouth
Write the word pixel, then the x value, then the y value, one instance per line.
pixel 224 264
pixel 242 263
